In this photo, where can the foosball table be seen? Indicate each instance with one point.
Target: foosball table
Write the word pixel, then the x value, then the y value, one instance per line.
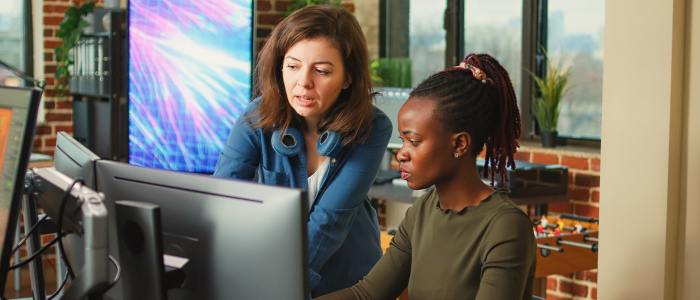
pixel 565 244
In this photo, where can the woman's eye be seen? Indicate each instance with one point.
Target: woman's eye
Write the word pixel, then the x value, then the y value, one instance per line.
pixel 414 142
pixel 292 67
pixel 322 72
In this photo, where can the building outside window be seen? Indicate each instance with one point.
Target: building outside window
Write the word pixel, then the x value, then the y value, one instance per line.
pixel 12 43
pixel 575 37
pixel 495 27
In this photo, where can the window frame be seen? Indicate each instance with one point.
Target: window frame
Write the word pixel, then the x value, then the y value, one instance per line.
pixel 534 33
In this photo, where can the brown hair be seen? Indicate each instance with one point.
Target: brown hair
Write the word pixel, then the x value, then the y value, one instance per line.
pixel 351 115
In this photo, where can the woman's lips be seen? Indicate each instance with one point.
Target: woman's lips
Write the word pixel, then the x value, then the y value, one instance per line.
pixel 304 101
pixel 404 174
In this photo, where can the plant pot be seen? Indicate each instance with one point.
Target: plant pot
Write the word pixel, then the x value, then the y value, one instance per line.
pixel 549 138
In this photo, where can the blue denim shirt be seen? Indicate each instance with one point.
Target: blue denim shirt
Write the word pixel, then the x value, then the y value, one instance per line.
pixel 343 229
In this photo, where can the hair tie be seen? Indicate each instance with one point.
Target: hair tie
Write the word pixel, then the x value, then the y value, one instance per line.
pixel 478 73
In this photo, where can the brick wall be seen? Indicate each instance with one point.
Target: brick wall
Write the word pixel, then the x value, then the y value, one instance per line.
pixel 584 189
pixel 58 112
pixel 270 12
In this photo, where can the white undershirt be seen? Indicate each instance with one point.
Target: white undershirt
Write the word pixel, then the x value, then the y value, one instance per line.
pixel 315 180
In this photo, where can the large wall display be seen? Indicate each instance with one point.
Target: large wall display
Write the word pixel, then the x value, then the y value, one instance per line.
pixel 189 79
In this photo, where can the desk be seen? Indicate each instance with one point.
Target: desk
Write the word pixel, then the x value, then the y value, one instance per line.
pixel 403 194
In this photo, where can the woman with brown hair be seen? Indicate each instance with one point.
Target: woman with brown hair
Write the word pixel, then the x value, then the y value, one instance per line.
pixel 462 239
pixel 314 127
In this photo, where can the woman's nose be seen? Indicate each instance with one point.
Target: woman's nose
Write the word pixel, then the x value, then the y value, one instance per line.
pixel 305 80
pixel 402 155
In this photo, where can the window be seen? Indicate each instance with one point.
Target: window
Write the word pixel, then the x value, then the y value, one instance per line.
pixel 495 27
pixel 12 40
pixel 575 36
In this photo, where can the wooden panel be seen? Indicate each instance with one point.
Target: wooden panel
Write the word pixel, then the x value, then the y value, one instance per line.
pixel 573 259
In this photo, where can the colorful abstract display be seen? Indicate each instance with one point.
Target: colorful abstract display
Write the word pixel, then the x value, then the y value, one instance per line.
pixel 189 79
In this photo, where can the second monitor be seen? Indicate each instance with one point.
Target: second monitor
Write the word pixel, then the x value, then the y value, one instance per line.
pixel 243 240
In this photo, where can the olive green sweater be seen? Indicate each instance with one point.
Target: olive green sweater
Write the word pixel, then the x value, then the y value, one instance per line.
pixel 482 252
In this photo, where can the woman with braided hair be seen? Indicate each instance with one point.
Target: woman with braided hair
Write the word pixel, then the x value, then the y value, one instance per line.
pixel 461 240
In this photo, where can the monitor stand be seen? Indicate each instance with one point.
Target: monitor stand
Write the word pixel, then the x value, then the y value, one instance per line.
pixel 36 267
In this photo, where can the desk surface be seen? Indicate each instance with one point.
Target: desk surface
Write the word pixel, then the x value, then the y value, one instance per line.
pixel 402 193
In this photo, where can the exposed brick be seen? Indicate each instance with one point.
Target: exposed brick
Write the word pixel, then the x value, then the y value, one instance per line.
pixel 264 5
pixel 587 180
pixel 555 297
pixel 545 159
pixel 49 104
pixel 49 81
pixel 58 117
pixel 571 178
pixel 587 276
pixel 595 165
pixel 561 207
pixel 52 44
pixel 43 129
pixel 48 56
pixel 38 143
pixel 272 19
pixel 595 196
pixel 48 32
pixel 50 142
pixel 551 284
pixel 46 238
pixel 282 5
pixel 482 154
pixel 575 163
pixel 50 93
pixel 50 69
pixel 68 129
pixel 587 211
pixel 565 286
pixel 263 32
pixel 53 20
pixel 594 293
pixel 64 104
pixel 49 152
pixel 579 194
pixel 580 290
pixel 522 156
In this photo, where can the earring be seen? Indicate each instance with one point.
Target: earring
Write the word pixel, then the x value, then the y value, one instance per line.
pixel 456 154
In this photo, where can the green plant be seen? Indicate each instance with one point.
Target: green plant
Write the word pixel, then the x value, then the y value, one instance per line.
pixel 70 32
pixel 297 4
pixel 552 89
pixel 392 72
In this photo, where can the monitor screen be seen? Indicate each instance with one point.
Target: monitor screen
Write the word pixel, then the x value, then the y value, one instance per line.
pixel 243 240
pixel 189 79
pixel 18 110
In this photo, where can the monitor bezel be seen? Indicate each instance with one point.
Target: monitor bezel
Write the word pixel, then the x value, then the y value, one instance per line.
pixel 25 152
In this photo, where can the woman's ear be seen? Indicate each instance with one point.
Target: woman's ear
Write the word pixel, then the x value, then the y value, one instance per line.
pixel 348 81
pixel 462 143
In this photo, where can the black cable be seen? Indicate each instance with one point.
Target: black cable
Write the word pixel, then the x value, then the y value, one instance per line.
pixel 117 276
pixel 59 225
pixel 28 234
pixel 37 253
pixel 63 283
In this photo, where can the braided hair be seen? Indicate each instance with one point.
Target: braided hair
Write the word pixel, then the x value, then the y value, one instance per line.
pixel 486 109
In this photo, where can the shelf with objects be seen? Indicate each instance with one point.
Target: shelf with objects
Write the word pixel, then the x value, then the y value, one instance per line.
pixel 98 85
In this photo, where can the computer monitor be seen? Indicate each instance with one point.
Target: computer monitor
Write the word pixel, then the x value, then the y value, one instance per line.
pixel 74 159
pixel 18 110
pixel 243 240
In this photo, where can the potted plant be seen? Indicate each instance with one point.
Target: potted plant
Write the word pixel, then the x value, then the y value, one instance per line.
pixel 547 104
pixel 70 32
